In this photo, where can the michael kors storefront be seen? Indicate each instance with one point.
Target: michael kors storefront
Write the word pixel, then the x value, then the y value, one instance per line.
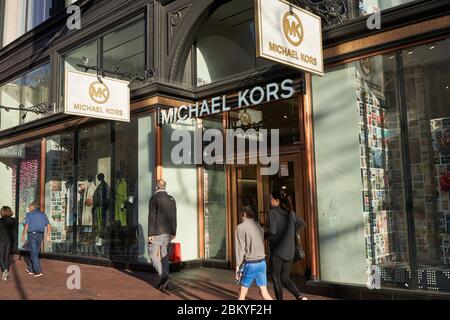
pixel 365 209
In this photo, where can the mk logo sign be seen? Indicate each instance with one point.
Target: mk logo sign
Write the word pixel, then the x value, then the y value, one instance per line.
pixel 99 92
pixel 293 28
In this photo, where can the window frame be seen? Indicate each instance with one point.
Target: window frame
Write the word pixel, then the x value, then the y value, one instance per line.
pixel 59 66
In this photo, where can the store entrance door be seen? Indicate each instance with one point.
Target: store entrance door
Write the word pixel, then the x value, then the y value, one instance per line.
pixel 250 188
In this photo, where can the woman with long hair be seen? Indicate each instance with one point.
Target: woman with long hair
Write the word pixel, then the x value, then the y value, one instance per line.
pixel 283 223
pixel 7 239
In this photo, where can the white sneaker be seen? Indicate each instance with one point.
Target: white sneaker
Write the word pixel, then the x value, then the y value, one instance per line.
pixel 99 242
pixel 37 275
pixel 5 275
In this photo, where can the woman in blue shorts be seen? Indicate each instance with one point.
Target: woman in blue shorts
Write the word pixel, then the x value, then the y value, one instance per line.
pixel 250 255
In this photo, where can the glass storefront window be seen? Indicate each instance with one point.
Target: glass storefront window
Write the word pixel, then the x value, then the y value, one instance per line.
pixel 86 55
pixel 426 74
pixel 380 228
pixel 281 115
pixel 215 207
pixel 60 192
pixel 361 199
pixel 92 189
pixel 29 90
pixel 94 203
pixel 20 175
pixel 124 243
pixel 124 50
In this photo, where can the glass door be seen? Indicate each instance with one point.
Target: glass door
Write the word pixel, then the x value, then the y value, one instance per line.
pixel 250 188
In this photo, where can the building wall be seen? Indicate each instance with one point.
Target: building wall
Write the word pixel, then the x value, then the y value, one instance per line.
pixel 340 219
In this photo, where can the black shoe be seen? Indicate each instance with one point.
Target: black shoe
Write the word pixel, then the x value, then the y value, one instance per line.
pixel 163 284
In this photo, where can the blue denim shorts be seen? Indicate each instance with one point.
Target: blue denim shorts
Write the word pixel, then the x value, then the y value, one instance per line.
pixel 254 272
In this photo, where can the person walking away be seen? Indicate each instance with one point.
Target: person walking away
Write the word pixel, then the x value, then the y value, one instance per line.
pixel 250 255
pixel 36 223
pixel 8 226
pixel 282 226
pixel 162 229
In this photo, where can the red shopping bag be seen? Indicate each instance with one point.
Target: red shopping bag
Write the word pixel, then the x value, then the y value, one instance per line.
pixel 175 253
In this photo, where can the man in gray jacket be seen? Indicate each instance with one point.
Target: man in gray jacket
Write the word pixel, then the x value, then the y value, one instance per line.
pixel 250 255
pixel 162 229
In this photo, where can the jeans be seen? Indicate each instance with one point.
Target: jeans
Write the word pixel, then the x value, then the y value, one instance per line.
pixel 160 262
pixel 281 274
pixel 5 255
pixel 35 241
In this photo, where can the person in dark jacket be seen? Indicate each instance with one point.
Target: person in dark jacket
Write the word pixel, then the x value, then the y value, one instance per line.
pixel 283 223
pixel 162 229
pixel 8 226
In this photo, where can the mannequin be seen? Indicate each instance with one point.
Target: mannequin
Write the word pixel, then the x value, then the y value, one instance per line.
pixel 101 202
pixel 69 202
pixel 121 194
pixel 88 201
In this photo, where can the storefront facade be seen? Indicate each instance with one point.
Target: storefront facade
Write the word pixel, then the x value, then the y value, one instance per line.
pixel 362 149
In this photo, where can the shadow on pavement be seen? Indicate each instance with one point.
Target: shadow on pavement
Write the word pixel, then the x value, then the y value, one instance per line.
pixel 186 288
pixel 18 282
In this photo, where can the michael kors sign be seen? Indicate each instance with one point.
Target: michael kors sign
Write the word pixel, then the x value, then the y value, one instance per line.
pixel 86 96
pixel 289 35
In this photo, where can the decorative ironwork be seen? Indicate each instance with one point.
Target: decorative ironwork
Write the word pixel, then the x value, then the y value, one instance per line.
pixel 41 108
pixel 332 12
pixel 147 75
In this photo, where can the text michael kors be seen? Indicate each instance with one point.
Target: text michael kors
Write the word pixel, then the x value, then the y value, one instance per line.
pixel 246 98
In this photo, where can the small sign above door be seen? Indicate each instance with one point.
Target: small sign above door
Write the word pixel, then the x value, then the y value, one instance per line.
pixel 289 35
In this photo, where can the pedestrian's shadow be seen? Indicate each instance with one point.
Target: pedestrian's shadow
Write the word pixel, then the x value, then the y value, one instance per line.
pixel 15 271
pixel 186 287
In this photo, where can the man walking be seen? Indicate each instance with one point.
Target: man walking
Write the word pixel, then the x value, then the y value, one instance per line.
pixel 162 229
pixel 36 222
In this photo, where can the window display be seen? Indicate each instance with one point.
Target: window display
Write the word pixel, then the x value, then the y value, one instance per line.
pixel 94 192
pixel 20 175
pixel 214 203
pixel 385 221
pixel 426 70
pixel 93 212
pixel 124 237
pixel 60 192
pixel 401 105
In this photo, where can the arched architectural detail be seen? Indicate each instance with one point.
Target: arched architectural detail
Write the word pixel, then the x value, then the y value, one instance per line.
pixel 185 35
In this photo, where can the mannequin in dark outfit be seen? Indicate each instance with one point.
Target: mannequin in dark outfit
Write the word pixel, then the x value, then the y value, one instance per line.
pixel 101 204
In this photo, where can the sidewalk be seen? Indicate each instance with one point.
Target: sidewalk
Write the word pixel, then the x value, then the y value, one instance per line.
pixel 100 283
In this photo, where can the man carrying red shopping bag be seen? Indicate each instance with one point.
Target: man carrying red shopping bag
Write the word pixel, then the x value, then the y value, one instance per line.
pixel 175 253
pixel 162 229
